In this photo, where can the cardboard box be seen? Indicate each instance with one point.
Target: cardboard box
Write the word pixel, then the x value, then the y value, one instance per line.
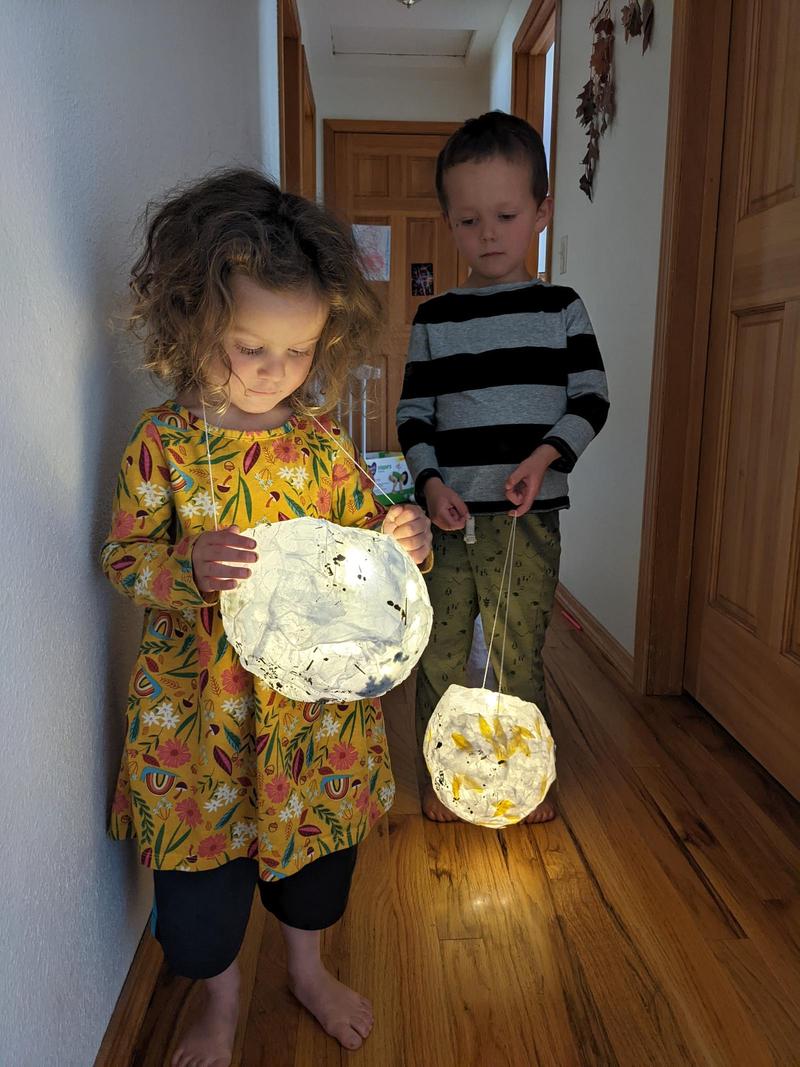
pixel 390 471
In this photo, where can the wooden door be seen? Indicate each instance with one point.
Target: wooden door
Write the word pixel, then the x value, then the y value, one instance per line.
pixel 743 649
pixel 383 174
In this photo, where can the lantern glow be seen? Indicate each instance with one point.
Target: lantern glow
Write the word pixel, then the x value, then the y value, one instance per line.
pixel 491 756
pixel 330 612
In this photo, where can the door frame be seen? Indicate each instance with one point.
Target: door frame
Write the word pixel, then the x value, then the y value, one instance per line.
pixel 542 20
pixel 696 121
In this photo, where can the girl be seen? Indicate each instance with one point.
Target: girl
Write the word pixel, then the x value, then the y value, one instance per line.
pixel 251 306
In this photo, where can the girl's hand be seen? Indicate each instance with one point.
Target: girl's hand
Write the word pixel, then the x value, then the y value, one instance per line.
pixel 410 527
pixel 214 552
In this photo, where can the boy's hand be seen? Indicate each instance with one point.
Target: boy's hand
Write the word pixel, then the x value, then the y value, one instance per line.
pixel 218 558
pixel 445 506
pixel 410 527
pixel 523 485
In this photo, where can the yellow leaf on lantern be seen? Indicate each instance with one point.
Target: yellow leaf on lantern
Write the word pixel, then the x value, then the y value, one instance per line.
pixel 456 787
pixel 471 783
pixel 502 808
pixel 462 742
pixel 485 728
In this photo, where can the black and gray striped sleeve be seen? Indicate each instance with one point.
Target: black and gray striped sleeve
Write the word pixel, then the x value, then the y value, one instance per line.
pixel 587 390
pixel 416 415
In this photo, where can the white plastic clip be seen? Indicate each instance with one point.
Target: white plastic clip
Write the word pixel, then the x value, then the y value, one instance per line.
pixel 469 530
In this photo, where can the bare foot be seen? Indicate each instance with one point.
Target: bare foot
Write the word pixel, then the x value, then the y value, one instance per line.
pixel 434 809
pixel 340 1011
pixel 544 813
pixel 208 1041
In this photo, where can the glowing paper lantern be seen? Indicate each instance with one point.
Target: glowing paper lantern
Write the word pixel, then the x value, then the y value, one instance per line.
pixel 331 613
pixel 491 757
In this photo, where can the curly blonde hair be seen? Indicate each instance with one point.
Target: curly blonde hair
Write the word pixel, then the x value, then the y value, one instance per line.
pixel 238 221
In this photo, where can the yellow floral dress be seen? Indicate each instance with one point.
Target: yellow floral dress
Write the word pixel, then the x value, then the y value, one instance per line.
pixel 216 766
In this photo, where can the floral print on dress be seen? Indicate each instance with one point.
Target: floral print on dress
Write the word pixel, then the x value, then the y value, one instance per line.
pixel 217 766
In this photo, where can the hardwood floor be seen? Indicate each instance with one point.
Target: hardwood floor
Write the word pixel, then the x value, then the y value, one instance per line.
pixel 657 921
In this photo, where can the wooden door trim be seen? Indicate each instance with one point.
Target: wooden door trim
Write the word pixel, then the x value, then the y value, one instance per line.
pixel 540 18
pixel 696 121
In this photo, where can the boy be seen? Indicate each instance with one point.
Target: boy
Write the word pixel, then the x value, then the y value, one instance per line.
pixel 504 388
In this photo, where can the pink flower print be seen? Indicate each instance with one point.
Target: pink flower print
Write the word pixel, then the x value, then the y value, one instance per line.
pixel 323 501
pixel 122 525
pixel 362 800
pixel 162 585
pixel 212 846
pixel 278 789
pixel 173 753
pixel 286 451
pixel 340 474
pixel 122 803
pixel 203 654
pixel 182 546
pixel 189 812
pixel 343 756
pixel 236 679
pixel 374 814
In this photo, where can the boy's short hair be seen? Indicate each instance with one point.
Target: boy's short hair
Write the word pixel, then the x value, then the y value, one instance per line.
pixel 489 135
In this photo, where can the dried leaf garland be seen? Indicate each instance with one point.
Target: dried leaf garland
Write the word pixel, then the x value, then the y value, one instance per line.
pixel 638 20
pixel 596 99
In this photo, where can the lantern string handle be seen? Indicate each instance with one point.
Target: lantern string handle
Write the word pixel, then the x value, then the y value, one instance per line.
pixel 208 457
pixel 353 460
pixel 506 569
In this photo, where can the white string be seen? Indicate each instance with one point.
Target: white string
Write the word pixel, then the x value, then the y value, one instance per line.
pixel 506 568
pixel 513 540
pixel 208 457
pixel 353 460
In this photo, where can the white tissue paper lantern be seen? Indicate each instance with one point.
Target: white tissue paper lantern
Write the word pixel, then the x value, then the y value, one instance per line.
pixel 332 613
pixel 491 756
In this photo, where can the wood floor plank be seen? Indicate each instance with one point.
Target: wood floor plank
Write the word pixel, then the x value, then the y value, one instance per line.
pixel 394 957
pixel 398 710
pixel 273 1019
pixel 651 911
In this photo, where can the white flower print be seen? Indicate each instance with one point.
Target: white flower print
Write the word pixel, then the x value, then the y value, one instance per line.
pixel 152 496
pixel 150 718
pixel 386 793
pixel 142 583
pixel 328 727
pixel 295 476
pixel 371 762
pixel 264 482
pixel 166 714
pixel 238 707
pixel 202 503
pixel 243 832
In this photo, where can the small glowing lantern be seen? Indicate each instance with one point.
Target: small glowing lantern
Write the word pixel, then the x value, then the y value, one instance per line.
pixel 491 757
pixel 332 613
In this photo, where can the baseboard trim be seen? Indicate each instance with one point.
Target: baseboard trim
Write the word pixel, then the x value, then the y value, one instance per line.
pixel 607 645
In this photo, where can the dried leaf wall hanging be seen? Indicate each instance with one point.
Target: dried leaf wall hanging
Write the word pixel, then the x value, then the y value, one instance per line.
pixel 596 99
pixel 638 20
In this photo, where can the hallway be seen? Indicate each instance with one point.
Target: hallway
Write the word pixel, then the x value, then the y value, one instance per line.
pixel 657 921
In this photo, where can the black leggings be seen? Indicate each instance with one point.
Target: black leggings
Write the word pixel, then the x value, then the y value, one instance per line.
pixel 200 916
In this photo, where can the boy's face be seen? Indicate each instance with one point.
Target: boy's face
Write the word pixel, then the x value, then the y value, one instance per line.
pixel 494 217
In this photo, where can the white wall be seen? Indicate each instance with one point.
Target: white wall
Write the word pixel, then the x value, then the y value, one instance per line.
pixel 103 103
pixel 612 262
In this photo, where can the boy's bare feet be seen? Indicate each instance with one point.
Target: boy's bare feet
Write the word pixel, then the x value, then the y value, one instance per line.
pixel 544 813
pixel 434 809
pixel 340 1011
pixel 208 1041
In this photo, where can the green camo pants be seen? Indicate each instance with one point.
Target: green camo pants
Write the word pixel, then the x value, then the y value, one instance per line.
pixel 465 580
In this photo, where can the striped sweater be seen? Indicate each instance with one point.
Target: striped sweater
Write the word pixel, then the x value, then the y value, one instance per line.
pixel 492 374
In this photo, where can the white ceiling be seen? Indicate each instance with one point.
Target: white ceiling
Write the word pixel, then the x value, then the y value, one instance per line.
pixel 433 34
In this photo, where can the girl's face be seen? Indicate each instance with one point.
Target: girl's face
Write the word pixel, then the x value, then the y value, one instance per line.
pixel 270 346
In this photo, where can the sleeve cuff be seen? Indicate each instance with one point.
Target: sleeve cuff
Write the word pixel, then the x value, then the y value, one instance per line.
pixel 419 485
pixel 568 458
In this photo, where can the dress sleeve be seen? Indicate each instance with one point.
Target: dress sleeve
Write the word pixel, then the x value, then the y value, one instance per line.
pixel 140 556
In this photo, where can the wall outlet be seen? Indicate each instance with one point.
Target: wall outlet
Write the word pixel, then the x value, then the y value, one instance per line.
pixel 562 255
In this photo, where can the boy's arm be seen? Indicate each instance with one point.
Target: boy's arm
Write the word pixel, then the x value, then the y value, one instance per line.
pixel 587 391
pixel 416 412
pixel 139 556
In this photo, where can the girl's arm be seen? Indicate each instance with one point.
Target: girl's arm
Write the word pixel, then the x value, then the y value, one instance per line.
pixel 140 557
